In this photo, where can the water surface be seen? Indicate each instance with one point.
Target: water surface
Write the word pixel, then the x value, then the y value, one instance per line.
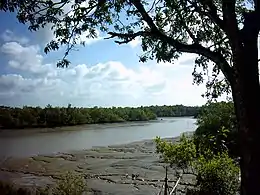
pixel 93 135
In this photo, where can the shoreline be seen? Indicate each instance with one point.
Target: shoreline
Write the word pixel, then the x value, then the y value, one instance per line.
pixel 106 168
pixel 31 131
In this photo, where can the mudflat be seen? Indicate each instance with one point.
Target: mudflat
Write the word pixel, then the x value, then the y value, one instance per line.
pixel 108 170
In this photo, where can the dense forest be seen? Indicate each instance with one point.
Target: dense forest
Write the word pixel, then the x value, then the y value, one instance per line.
pixel 31 117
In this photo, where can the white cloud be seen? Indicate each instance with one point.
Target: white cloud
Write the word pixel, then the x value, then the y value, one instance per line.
pixel 8 36
pixel 102 84
pixel 25 58
pixel 44 35
pixel 134 43
pixel 88 41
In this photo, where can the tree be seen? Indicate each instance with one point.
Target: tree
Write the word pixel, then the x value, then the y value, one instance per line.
pixel 223 33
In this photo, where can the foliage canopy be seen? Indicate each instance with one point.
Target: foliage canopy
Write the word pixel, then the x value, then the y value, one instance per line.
pixel 167 28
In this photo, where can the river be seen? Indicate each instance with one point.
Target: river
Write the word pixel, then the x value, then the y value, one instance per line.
pixel 91 136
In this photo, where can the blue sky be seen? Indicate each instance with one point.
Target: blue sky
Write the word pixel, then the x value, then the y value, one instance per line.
pixel 102 73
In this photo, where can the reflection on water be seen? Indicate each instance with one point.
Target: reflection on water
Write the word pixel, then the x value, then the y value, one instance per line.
pixel 95 135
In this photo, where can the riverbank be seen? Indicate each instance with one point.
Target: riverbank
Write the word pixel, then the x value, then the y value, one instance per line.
pixel 30 131
pixel 48 117
pixel 107 170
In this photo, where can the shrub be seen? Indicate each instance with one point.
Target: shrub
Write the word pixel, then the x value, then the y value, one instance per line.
pixel 70 184
pixel 10 189
pixel 181 154
pixel 216 174
pixel 217 128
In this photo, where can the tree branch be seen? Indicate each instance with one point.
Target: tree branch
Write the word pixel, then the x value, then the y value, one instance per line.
pixel 212 13
pixel 127 36
pixel 181 47
pixel 228 24
pixel 230 20
pixel 257 6
pixel 51 6
pixel 154 3
pixel 145 15
pixel 195 40
pixel 251 25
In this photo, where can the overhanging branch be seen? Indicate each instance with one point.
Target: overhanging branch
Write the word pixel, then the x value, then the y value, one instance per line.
pixel 145 15
pixel 230 20
pixel 181 47
pixel 127 37
pixel 198 49
pixel 212 13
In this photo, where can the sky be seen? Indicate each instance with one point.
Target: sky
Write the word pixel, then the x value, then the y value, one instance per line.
pixel 101 74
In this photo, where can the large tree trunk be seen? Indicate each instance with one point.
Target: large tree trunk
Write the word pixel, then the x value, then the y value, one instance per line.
pixel 249 141
pixel 246 95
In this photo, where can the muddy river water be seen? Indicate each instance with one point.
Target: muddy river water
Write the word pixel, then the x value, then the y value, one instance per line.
pixel 85 137
pixel 106 155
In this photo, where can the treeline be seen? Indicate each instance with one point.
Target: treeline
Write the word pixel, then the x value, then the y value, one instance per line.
pixel 32 117
pixel 174 111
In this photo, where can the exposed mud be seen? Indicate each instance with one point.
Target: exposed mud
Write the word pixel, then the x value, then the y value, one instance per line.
pixel 107 170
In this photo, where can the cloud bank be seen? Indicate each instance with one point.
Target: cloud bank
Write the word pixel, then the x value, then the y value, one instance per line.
pixel 33 82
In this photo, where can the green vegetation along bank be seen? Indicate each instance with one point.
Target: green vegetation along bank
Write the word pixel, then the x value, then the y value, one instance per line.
pixel 33 117
pixel 211 155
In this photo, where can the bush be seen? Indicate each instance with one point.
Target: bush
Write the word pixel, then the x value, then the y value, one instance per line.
pixel 217 128
pixel 10 189
pixel 181 154
pixel 216 174
pixel 70 184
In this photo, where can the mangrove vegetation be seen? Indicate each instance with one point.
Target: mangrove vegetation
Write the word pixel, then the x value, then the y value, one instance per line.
pixel 32 117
